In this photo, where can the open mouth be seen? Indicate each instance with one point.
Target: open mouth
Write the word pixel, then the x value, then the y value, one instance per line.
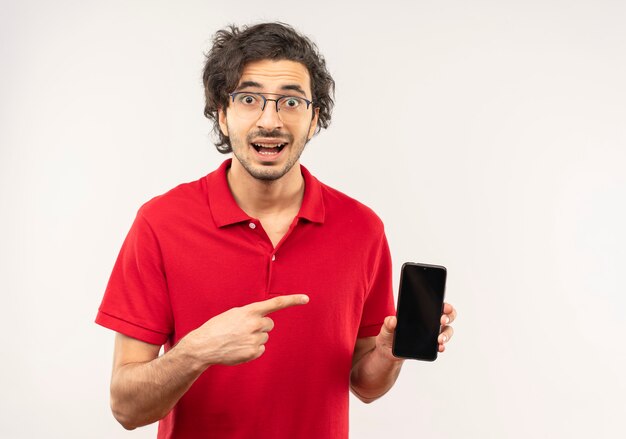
pixel 268 148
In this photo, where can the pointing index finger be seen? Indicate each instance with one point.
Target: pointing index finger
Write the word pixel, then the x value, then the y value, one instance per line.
pixel 277 303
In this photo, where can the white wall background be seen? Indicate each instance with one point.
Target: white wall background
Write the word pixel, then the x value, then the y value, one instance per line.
pixel 489 136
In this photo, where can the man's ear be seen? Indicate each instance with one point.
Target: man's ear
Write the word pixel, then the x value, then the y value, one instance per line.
pixel 313 126
pixel 221 117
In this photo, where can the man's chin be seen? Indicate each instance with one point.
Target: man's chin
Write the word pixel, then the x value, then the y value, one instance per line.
pixel 267 172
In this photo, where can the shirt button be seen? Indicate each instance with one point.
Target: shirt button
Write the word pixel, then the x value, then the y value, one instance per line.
pixel 273 257
pixel 252 226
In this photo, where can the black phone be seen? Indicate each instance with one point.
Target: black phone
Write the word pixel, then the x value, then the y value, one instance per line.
pixel 420 306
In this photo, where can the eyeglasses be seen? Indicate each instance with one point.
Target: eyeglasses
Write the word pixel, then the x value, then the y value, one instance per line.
pixel 249 104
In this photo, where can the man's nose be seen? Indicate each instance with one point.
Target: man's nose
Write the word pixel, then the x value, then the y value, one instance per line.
pixel 269 117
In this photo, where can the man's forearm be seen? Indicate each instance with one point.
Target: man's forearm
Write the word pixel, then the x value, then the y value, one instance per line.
pixel 374 374
pixel 143 393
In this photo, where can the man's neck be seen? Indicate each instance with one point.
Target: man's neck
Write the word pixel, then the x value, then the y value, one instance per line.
pixel 259 198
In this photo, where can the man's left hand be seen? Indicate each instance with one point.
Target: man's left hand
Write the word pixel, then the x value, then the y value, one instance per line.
pixel 384 340
pixel 449 314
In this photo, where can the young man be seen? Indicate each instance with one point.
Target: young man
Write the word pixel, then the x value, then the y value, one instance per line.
pixel 211 267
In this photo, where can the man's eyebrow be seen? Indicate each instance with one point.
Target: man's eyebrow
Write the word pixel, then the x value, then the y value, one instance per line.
pixel 246 84
pixel 286 87
pixel 294 87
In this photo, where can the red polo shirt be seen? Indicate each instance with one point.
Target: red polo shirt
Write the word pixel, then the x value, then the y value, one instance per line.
pixel 192 253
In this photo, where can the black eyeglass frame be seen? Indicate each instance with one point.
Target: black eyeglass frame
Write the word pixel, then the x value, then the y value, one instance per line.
pixel 235 93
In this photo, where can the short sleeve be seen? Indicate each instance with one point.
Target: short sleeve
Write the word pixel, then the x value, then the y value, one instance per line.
pixel 136 301
pixel 379 301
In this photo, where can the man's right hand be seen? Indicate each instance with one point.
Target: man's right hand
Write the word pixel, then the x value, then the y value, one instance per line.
pixel 237 335
pixel 145 386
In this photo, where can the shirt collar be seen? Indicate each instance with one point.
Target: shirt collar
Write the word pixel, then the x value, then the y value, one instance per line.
pixel 225 210
pixel 312 208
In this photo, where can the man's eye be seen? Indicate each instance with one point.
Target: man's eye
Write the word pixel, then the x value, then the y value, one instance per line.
pixel 292 102
pixel 247 99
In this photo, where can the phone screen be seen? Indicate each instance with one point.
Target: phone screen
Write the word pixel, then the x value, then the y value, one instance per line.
pixel 420 305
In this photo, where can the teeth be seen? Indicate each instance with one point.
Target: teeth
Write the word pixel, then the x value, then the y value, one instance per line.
pixel 270 145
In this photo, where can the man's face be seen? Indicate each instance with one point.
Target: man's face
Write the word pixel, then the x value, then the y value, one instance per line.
pixel 269 143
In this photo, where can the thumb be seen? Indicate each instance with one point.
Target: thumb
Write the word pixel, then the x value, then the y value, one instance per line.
pixel 389 325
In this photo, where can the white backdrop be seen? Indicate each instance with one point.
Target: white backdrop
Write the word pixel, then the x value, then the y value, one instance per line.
pixel 488 135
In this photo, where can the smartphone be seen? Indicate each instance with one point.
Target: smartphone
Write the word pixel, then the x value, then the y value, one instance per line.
pixel 420 306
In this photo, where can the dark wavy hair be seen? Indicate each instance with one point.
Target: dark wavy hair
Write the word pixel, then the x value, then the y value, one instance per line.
pixel 233 48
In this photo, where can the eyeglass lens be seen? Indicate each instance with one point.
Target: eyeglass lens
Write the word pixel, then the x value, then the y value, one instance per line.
pixel 252 104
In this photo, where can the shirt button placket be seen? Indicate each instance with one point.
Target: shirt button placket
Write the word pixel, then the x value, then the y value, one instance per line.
pixel 270 271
